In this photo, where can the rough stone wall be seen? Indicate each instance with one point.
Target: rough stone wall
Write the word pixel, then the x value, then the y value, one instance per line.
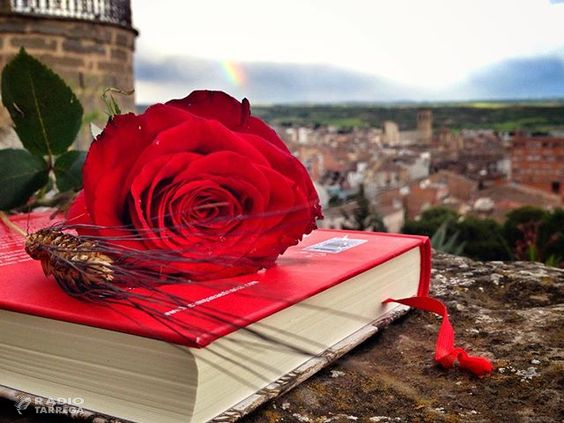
pixel 90 56
pixel 513 313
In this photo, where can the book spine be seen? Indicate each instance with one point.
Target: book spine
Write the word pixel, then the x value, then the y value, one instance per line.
pixel 426 264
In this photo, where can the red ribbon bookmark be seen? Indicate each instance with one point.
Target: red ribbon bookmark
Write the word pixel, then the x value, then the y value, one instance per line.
pixel 445 351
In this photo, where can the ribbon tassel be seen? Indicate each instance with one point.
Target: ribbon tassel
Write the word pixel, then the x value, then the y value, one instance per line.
pixel 446 354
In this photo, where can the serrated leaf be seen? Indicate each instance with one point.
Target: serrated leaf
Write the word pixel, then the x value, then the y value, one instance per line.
pixel 21 175
pixel 68 170
pixel 46 113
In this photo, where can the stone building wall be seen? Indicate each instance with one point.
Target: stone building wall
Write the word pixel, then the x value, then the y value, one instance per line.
pixel 90 56
pixel 459 186
pixel 424 127
pixel 537 162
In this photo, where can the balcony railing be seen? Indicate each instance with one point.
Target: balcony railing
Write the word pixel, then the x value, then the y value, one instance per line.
pixel 111 11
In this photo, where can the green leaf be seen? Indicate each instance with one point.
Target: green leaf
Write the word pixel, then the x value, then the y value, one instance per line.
pixel 68 170
pixel 21 175
pixel 46 113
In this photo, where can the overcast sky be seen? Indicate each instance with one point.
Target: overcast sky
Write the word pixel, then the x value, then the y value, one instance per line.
pixel 416 49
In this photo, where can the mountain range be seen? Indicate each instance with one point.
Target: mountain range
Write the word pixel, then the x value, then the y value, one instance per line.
pixel 527 78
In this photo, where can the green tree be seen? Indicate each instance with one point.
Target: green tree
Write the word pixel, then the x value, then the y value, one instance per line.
pixel 550 238
pixel 430 222
pixel 483 239
pixel 520 231
pixel 480 239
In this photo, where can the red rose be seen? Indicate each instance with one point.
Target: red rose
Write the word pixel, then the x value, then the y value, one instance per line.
pixel 199 178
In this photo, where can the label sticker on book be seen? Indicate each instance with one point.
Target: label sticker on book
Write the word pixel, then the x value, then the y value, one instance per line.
pixel 335 245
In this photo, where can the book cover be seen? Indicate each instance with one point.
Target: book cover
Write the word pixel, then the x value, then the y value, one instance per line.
pixel 323 259
pixel 327 262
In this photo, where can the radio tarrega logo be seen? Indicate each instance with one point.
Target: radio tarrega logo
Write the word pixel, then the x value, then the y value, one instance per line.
pixel 66 406
pixel 22 404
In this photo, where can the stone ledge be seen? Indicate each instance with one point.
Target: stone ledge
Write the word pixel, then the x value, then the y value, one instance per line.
pixel 510 312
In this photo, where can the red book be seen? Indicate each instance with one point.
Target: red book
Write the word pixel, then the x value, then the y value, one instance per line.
pixel 222 343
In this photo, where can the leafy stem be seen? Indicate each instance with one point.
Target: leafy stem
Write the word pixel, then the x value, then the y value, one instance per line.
pixel 60 201
pixel 112 107
pixel 47 117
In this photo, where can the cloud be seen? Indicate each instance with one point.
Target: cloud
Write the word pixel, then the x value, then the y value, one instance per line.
pixel 536 77
pixel 270 82
pixel 520 78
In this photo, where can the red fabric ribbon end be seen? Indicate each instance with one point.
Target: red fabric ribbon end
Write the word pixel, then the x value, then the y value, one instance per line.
pixel 445 351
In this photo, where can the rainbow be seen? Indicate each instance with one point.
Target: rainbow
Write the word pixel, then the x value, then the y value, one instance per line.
pixel 234 72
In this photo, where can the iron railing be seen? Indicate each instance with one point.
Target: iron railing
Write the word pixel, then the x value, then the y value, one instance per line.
pixel 111 11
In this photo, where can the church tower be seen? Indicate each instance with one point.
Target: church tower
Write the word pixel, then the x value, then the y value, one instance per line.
pixel 424 126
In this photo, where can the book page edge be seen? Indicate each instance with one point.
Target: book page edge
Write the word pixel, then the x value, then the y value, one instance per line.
pixel 251 403
pixel 309 368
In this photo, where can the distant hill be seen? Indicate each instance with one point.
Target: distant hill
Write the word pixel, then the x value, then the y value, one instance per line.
pixel 275 83
pixel 528 78
pixel 501 116
pixel 508 117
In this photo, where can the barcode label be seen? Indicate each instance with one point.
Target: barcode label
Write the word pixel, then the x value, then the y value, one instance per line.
pixel 335 245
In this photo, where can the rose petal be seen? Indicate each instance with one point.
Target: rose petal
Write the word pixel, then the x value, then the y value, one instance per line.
pixel 255 126
pixel 230 112
pixel 240 175
pixel 291 167
pixel 202 137
pixel 112 155
pixel 215 105
pixel 78 215
pixel 143 187
pixel 227 164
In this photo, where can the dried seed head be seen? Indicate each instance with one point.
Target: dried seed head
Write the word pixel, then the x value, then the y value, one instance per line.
pixel 77 265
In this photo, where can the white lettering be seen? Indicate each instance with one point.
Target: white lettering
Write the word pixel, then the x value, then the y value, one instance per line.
pixel 210 298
